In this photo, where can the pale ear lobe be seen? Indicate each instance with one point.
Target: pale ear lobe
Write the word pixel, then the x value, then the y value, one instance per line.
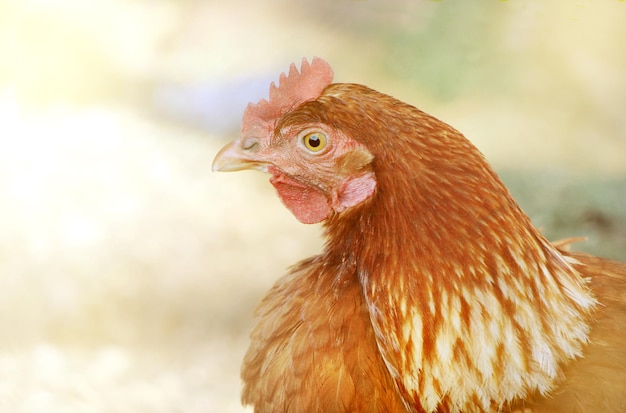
pixel 353 190
pixel 355 160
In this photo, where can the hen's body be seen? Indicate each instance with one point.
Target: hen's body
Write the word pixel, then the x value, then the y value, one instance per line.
pixel 313 349
pixel 434 292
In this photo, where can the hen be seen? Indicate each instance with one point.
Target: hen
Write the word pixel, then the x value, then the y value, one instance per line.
pixel 434 292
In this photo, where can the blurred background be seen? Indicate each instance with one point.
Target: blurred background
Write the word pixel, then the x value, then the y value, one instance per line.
pixel 129 272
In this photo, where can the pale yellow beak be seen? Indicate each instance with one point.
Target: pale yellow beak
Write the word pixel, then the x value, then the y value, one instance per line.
pixel 238 155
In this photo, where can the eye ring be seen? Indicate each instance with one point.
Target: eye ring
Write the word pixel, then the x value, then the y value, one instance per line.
pixel 315 142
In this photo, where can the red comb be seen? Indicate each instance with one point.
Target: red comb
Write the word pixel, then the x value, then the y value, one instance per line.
pixel 293 89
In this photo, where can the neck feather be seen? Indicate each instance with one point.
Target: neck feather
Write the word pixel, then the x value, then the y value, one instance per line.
pixel 472 307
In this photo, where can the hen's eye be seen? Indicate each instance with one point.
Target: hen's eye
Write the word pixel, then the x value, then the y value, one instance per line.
pixel 314 141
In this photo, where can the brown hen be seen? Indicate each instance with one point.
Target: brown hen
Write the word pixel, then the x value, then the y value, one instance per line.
pixel 434 292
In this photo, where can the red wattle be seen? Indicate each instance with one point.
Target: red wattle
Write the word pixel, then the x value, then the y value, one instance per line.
pixel 307 203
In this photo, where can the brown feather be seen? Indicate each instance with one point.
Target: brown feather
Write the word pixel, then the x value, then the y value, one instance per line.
pixel 312 348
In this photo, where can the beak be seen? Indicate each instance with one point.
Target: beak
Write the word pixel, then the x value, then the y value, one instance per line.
pixel 238 155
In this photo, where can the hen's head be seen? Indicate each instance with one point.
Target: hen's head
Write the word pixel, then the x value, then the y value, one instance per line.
pixel 316 168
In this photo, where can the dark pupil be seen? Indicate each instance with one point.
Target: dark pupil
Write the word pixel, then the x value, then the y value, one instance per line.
pixel 314 141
